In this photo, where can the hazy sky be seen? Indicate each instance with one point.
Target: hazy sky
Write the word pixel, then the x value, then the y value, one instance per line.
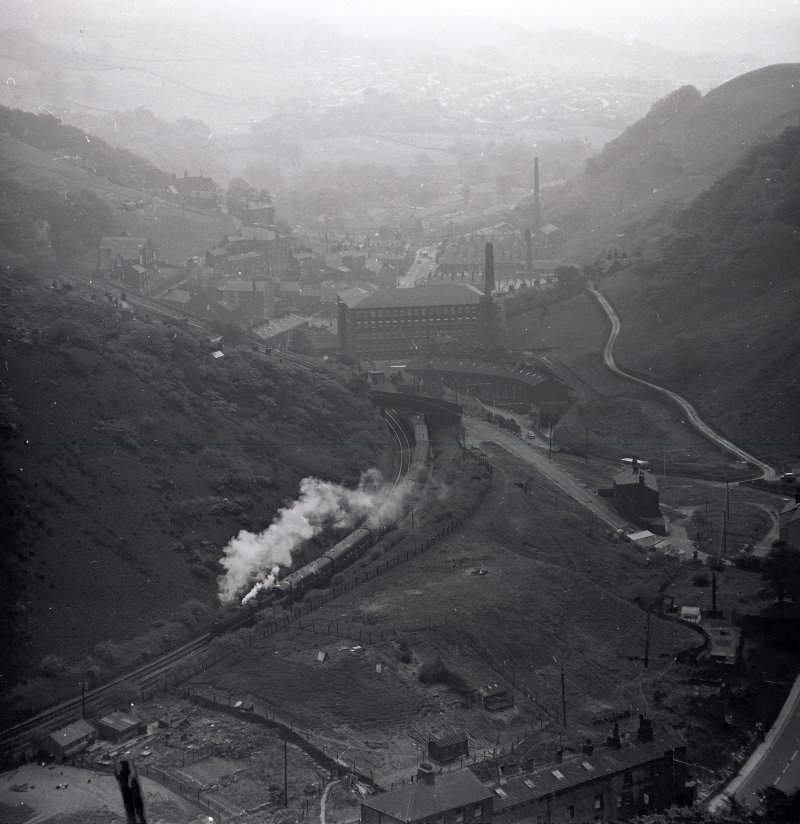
pixel 761 27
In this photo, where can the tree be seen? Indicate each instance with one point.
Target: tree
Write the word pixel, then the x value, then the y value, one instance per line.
pixel 780 571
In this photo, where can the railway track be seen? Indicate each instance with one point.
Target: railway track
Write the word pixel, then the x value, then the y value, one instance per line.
pixel 16 737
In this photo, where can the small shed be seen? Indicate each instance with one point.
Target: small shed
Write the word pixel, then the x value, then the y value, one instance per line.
pixel 68 740
pixel 493 697
pixel 119 727
pixel 447 746
pixel 322 656
pixel 691 614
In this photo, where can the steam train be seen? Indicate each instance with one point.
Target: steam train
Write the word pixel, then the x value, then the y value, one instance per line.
pixel 343 553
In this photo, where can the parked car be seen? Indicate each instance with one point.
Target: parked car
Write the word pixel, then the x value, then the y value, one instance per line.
pixel 530 435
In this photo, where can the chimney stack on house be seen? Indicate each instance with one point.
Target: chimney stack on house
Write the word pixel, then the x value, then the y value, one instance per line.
pixel 559 756
pixel 614 741
pixel 645 731
pixel 426 773
pixel 587 747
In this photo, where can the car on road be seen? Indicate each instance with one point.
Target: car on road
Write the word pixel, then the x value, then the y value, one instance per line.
pixel 530 435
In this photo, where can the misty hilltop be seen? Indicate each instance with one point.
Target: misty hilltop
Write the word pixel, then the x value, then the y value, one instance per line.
pixel 679 149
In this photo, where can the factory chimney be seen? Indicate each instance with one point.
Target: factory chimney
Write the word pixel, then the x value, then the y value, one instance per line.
pixel 488 269
pixel 528 252
pixel 537 203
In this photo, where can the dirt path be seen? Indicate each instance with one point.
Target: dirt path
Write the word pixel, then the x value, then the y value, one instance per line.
pixel 323 801
pixel 691 413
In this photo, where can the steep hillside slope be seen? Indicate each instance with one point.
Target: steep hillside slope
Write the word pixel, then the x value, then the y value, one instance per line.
pixel 37 153
pixel 667 159
pixel 130 458
pixel 717 315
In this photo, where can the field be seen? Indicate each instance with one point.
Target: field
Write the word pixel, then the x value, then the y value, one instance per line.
pixel 550 598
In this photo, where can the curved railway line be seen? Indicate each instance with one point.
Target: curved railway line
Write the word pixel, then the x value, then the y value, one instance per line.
pixel 15 738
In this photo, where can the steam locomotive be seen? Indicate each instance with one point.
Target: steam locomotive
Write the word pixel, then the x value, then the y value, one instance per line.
pixel 341 554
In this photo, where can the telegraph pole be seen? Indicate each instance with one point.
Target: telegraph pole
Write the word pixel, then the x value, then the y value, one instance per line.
pixel 563 699
pixel 83 685
pixel 285 778
pixel 647 642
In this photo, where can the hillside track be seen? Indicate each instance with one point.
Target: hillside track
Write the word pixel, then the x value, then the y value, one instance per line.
pixel 766 471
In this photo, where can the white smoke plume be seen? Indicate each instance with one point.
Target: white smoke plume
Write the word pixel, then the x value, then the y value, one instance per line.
pixel 253 560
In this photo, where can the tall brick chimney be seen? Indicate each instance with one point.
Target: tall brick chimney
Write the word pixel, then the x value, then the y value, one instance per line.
pixel 488 271
pixel 537 203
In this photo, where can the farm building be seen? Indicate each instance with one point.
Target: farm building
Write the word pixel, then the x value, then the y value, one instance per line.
pixel 69 740
pixel 448 798
pixel 118 727
pixel 610 784
pixel 493 697
pixel 447 746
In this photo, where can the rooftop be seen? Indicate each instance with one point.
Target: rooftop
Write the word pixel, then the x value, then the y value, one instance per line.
pixel 72 733
pixel 628 477
pixel 572 772
pixel 120 721
pixel 421 800
pixel 438 295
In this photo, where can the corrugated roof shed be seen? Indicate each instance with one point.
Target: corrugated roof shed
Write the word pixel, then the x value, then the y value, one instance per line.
pixel 526 787
pixel 120 722
pixel 438 295
pixel 448 739
pixel 420 800
pixel 72 733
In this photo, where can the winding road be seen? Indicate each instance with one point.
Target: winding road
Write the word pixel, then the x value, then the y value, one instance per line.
pixel 691 413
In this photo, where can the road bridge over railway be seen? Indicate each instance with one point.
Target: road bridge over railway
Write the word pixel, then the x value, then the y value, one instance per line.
pixel 437 412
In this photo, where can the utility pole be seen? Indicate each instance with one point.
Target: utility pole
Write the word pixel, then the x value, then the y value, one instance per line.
pixel 727 502
pixel 83 685
pixel 563 699
pixel 285 778
pixel 647 642
pixel 714 592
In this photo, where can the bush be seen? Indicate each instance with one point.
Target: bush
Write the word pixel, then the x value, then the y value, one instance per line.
pixel 700 579
pixel 52 665
pixel 435 672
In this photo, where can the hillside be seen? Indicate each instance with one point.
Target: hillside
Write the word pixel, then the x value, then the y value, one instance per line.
pixel 130 458
pixel 39 154
pixel 668 158
pixel 717 315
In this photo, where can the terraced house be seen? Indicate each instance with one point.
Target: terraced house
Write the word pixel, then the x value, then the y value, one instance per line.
pixel 614 783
